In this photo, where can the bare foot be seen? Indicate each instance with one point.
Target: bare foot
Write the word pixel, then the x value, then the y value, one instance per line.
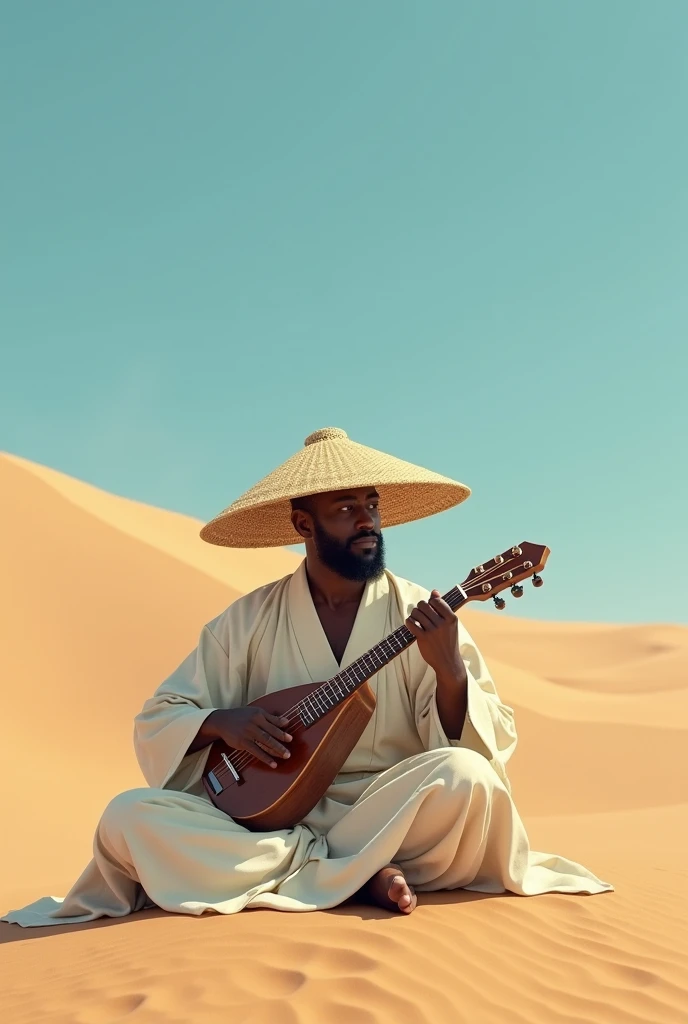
pixel 390 890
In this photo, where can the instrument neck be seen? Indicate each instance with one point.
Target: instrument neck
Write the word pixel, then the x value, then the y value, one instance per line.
pixel 346 682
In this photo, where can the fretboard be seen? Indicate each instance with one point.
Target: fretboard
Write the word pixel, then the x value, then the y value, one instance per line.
pixel 346 682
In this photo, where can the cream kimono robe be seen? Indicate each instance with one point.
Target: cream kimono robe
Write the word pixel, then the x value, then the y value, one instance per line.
pixel 440 808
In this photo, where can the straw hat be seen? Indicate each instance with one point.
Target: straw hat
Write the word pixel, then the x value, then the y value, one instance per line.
pixel 330 461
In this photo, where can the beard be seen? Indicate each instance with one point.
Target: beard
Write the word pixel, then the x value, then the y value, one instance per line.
pixel 338 556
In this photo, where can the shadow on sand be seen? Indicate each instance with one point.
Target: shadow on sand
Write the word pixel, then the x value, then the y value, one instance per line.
pixel 351 908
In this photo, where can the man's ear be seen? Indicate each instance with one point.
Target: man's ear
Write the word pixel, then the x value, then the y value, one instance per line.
pixel 302 523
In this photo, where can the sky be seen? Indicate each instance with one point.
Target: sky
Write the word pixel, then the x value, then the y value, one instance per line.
pixel 458 231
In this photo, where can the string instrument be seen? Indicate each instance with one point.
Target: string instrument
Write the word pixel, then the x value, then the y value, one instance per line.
pixel 327 719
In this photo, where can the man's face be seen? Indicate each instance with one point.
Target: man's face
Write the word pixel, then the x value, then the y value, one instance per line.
pixel 346 533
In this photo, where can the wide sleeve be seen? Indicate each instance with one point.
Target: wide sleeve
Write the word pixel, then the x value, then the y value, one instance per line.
pixel 489 727
pixel 170 720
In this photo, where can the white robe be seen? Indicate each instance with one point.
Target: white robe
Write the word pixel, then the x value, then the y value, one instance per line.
pixel 440 808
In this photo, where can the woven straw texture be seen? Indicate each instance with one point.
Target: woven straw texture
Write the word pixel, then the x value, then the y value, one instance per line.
pixel 330 461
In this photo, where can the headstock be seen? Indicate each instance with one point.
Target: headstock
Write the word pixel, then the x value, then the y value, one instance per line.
pixel 506 571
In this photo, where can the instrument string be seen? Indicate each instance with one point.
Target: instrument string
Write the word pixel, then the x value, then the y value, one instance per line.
pixel 293 715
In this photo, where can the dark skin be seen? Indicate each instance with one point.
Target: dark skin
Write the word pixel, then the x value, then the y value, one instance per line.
pixel 342 515
pixel 345 515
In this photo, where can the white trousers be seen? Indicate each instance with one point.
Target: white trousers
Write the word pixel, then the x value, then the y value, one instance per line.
pixel 444 816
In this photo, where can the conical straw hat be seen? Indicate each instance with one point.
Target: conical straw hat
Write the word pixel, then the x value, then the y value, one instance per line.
pixel 330 461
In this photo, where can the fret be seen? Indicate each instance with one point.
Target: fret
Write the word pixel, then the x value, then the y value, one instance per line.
pixel 337 685
pixel 306 716
pixel 313 705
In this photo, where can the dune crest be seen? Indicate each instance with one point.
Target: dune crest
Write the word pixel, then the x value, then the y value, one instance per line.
pixel 101 597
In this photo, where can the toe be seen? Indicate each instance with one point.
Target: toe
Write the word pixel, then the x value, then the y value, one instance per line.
pixel 400 893
pixel 397 888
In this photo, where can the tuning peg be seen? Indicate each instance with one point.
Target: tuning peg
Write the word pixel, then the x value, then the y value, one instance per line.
pixel 537 580
pixel 517 590
pixel 499 602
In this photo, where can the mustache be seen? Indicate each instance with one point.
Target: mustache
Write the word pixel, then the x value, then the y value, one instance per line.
pixel 362 535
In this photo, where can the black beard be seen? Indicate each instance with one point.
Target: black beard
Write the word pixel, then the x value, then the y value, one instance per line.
pixel 339 557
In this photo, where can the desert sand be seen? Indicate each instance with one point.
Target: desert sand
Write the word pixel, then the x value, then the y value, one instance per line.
pixel 600 776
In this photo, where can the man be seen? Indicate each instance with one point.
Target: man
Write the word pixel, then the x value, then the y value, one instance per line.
pixel 423 801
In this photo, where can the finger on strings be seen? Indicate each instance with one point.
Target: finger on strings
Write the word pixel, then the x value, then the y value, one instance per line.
pixel 422 620
pixel 273 730
pixel 257 751
pixel 280 720
pixel 433 617
pixel 414 628
pixel 266 742
pixel 441 607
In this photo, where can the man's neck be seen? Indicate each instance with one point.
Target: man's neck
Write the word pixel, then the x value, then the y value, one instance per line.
pixel 327 588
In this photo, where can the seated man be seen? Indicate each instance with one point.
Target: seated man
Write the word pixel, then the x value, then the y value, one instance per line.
pixel 423 801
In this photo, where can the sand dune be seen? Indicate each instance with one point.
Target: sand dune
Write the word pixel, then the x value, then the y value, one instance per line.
pixel 622 659
pixel 91 579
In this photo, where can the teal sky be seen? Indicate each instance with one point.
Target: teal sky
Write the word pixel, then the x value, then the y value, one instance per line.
pixel 457 230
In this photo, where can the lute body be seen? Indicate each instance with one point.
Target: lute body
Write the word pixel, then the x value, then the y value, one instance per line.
pixel 265 798
pixel 327 719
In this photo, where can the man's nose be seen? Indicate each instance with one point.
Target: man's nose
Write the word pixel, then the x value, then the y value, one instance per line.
pixel 364 520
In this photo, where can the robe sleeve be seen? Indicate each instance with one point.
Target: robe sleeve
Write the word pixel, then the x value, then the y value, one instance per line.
pixel 489 726
pixel 170 720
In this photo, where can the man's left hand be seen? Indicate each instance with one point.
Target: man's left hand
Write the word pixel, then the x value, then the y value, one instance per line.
pixel 436 628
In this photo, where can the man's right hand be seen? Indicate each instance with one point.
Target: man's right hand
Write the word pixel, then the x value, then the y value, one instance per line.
pixel 251 729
